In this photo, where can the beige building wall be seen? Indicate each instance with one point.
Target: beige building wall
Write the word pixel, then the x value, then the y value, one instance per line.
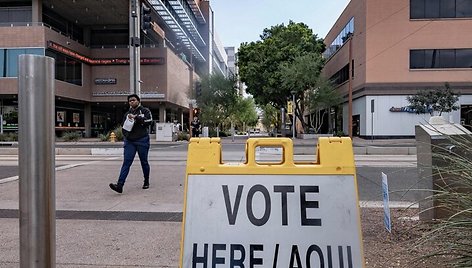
pixel 357 9
pixel 383 36
pixel 178 80
pixel 391 34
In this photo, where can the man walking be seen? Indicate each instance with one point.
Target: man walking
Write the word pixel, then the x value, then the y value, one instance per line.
pixel 195 125
pixel 135 140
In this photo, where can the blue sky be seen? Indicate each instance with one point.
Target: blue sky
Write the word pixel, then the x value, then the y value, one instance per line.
pixel 238 21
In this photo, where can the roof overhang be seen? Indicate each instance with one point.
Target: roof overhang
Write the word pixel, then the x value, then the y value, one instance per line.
pixel 172 23
pixel 196 11
pixel 187 21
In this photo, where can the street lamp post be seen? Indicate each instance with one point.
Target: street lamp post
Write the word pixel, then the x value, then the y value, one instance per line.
pixel 294 113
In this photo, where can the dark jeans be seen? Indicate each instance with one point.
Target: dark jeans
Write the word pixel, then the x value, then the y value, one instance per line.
pixel 130 148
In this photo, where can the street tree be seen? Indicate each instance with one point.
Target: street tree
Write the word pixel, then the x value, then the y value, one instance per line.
pixel 434 100
pixel 270 117
pixel 244 113
pixel 320 99
pixel 260 62
pixel 218 96
pixel 301 77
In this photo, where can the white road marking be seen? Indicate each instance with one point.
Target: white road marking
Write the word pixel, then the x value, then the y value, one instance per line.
pixel 14 178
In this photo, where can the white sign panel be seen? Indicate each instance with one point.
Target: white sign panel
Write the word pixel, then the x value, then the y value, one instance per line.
pixel 386 200
pixel 272 221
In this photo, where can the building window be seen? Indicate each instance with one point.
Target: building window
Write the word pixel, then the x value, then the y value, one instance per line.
pixel 67 69
pixel 440 58
pixel 16 15
pixel 431 9
pixel 62 25
pixel 340 76
pixel 342 38
pixel 9 59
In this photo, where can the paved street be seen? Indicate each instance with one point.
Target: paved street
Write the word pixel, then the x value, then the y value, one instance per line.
pixel 141 228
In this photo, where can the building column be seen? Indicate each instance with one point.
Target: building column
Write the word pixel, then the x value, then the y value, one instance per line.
pixel 37 9
pixel 88 120
pixel 162 113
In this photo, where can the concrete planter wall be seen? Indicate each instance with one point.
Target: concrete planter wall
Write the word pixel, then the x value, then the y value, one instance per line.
pixel 313 136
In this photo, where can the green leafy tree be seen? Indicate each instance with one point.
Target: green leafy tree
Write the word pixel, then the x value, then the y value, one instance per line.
pixel 217 99
pixel 319 100
pixel 301 77
pixel 434 100
pixel 270 117
pixel 260 62
pixel 245 112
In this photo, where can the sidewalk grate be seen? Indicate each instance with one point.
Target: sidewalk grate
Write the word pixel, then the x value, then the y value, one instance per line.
pixel 104 215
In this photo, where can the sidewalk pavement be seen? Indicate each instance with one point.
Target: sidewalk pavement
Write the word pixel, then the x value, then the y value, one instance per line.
pixel 99 228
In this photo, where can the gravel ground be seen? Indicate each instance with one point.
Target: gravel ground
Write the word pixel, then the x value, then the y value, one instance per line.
pixel 384 249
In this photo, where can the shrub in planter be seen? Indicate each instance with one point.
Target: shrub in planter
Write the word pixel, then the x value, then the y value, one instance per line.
pixel 71 136
pixel 9 137
pixel 183 136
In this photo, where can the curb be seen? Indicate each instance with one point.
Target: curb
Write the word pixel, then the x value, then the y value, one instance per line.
pixel 310 151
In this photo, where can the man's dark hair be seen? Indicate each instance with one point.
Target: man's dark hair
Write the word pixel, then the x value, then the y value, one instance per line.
pixel 134 96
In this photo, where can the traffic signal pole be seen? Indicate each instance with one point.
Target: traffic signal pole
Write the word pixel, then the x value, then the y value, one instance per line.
pixel 134 48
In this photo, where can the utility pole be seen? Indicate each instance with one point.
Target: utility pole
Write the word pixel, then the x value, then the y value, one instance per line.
pixel 134 48
pixel 294 113
pixel 350 130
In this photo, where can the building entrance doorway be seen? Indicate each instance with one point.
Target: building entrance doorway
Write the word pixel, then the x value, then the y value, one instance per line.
pixel 356 125
pixel 466 116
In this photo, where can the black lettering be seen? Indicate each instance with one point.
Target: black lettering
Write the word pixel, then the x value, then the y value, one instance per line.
pixel 215 260
pixel 297 256
pixel 304 204
pixel 237 262
pixel 283 190
pixel 252 259
pixel 276 255
pixel 232 213
pixel 349 257
pixel 330 258
pixel 203 259
pixel 250 213
pixel 341 258
pixel 320 255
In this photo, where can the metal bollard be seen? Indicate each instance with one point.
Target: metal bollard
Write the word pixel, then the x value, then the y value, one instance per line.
pixel 36 162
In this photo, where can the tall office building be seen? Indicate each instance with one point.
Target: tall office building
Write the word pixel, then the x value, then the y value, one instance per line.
pixel 90 41
pixel 383 51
